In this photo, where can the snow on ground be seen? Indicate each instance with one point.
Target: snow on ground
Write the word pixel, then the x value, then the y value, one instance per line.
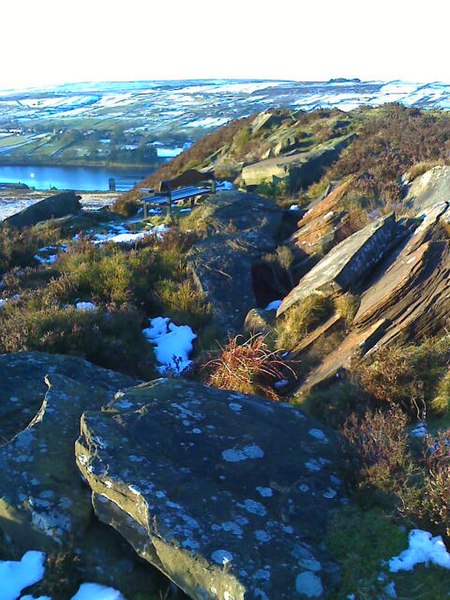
pixel 208 122
pixel 49 254
pixel 274 305
pixel 420 430
pixel 423 548
pixel 86 306
pixel 168 152
pixel 119 234
pixel 93 591
pixel 173 344
pixel 3 301
pixel 17 575
pixel 224 185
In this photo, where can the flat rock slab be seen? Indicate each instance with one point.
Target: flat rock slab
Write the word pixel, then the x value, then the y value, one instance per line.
pixel 227 494
pixel 22 384
pixel 347 263
pixel 300 169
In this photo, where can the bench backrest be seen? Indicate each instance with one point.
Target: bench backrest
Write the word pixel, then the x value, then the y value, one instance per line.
pixel 189 177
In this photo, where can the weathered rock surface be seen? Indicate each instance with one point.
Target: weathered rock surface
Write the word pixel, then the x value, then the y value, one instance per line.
pixel 298 169
pixel 348 262
pixel 53 207
pixel 23 388
pixel 43 502
pixel 325 224
pixel 406 300
pixel 227 494
pixel 241 227
pixel 260 321
pixel 428 190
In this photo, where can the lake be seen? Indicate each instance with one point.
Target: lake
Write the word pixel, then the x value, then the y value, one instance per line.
pixel 73 178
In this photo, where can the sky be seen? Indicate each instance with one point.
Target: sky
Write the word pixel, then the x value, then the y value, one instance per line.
pixel 50 42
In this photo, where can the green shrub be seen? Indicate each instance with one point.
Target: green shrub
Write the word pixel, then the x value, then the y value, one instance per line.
pixel 113 340
pixel 408 375
pixel 359 541
pixel 412 479
pixel 347 306
pixel 334 404
pixel 362 542
pixel 436 496
pixel 105 275
pixel 302 318
pixel 441 402
pixel 381 444
pixel 183 303
pixel 391 140
pixel 274 190
pixel 18 247
pixel 422 167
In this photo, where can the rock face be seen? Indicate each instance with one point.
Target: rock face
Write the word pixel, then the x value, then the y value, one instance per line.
pixel 325 224
pixel 348 262
pixel 53 207
pixel 298 169
pixel 428 190
pixel 241 227
pixel 42 500
pixel 407 297
pixel 23 388
pixel 196 479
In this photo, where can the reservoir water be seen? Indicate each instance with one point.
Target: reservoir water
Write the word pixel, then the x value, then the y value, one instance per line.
pixel 73 178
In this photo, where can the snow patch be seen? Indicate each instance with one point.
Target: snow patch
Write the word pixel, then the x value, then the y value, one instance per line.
pixel 423 548
pixel 86 306
pixel 274 305
pixel 94 591
pixel 173 344
pixel 17 575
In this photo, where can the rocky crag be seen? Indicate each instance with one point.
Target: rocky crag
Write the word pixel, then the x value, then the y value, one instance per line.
pixel 228 495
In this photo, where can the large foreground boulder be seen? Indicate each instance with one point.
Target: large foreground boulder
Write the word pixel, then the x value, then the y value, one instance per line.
pixel 23 387
pixel 241 228
pixel 52 207
pixel 227 494
pixel 43 503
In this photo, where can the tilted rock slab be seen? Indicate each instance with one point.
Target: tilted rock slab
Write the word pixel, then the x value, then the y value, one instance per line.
pixel 408 301
pixel 52 207
pixel 43 502
pixel 348 262
pixel 325 224
pixel 227 494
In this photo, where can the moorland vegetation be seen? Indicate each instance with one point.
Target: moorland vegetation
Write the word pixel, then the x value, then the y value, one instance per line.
pixel 393 477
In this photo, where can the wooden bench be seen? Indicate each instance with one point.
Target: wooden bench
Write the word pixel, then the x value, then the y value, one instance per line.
pixel 188 185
